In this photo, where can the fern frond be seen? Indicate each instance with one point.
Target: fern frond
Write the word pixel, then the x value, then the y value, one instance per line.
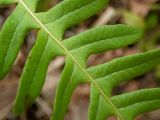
pixel 135 103
pixel 86 46
pixel 125 68
pixel 50 44
pixel 12 35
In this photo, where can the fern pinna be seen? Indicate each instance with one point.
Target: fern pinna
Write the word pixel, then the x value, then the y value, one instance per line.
pixel 51 26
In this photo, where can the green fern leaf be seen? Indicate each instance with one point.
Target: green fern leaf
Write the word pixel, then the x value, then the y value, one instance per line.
pixel 50 44
pixel 125 68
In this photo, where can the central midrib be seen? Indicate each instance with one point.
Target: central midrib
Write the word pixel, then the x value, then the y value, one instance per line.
pixel 67 52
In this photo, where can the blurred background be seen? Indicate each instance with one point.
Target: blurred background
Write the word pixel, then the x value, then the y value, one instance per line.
pixel 141 13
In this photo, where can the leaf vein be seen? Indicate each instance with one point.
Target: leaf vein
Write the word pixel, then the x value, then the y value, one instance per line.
pixel 67 52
